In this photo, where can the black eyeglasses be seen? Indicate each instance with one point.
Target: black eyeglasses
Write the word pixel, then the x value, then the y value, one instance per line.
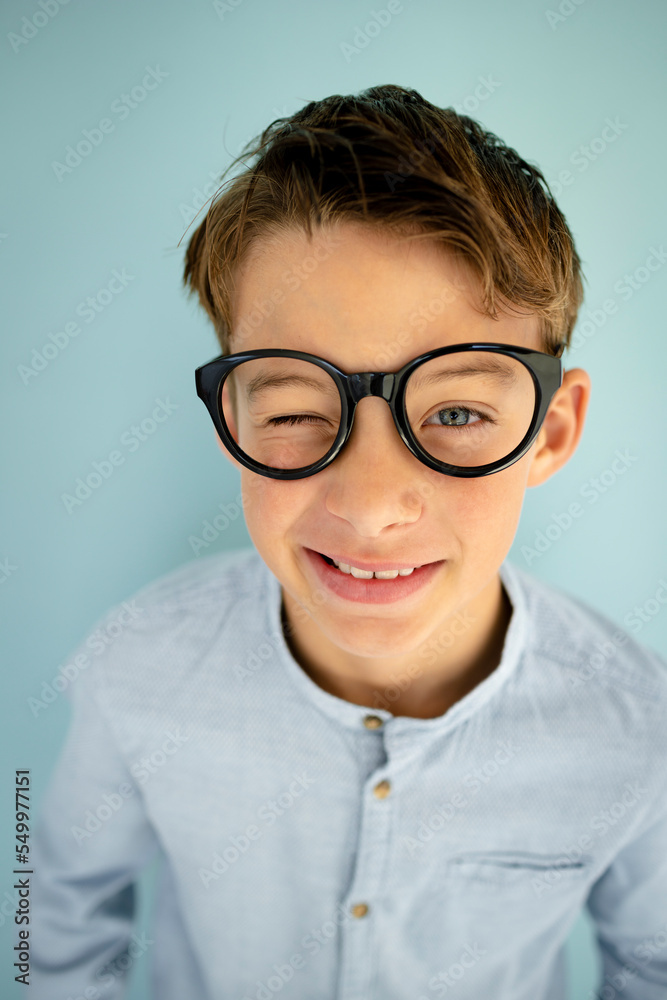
pixel 467 410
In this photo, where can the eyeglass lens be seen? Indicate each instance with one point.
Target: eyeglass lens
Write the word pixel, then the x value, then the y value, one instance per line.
pixel 465 409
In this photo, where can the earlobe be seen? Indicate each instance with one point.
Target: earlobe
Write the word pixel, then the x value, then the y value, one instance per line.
pixel 562 427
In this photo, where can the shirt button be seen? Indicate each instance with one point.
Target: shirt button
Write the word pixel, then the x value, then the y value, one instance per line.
pixel 359 910
pixel 372 721
pixel 382 789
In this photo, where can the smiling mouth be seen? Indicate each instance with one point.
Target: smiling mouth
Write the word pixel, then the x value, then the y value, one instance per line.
pixel 375 582
pixel 366 574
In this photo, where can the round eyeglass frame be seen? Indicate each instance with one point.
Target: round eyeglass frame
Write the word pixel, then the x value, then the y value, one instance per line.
pixel 546 371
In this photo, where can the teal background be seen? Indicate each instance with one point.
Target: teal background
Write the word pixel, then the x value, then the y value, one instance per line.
pixel 230 71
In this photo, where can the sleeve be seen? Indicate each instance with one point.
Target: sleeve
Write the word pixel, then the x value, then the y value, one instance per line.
pixel 91 841
pixel 628 905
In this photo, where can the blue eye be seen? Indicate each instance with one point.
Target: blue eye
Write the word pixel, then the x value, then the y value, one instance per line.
pixel 454 416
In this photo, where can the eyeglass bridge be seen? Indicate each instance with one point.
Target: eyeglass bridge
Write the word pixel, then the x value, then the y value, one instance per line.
pixel 372 384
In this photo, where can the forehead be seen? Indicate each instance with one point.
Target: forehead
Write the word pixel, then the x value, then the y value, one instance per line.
pixel 363 298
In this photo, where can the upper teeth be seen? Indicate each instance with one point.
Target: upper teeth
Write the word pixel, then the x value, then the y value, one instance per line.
pixel 366 574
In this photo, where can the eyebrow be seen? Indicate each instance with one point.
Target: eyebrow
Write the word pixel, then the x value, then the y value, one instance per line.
pixel 494 370
pixel 261 383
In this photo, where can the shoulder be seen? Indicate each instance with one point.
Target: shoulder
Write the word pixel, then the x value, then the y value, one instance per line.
pixel 166 658
pixel 569 632
pixel 166 626
pixel 213 579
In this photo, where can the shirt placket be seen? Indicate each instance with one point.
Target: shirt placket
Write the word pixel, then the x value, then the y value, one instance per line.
pixel 358 955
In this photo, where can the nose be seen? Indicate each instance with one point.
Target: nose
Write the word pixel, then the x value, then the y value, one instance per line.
pixel 376 483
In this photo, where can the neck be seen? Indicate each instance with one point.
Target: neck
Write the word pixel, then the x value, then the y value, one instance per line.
pixel 424 683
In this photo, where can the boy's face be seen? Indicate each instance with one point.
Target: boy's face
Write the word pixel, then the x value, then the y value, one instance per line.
pixel 367 302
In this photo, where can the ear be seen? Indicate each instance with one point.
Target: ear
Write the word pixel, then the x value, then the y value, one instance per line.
pixel 562 427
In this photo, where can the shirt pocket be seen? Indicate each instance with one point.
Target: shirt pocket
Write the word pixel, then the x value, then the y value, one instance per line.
pixel 521 873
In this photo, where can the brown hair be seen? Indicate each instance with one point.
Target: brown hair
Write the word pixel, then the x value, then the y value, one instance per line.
pixel 389 158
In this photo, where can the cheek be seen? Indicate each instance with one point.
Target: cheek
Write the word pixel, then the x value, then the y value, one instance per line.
pixel 488 507
pixel 272 507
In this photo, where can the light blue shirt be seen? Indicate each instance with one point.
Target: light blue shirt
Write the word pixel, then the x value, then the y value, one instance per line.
pixel 320 850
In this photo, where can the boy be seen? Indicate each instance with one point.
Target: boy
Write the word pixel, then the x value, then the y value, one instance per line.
pixel 372 755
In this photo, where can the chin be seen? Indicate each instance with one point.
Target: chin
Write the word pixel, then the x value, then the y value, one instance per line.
pixel 379 638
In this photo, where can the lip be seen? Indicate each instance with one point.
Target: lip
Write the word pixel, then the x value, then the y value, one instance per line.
pixel 373 591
